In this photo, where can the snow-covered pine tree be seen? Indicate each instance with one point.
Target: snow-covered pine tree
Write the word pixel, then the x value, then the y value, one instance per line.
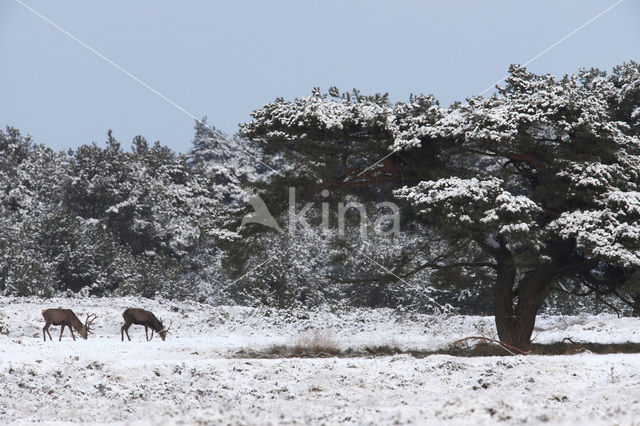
pixel 539 184
pixel 101 220
pixel 544 179
pixel 326 142
pixel 228 163
pixel 30 179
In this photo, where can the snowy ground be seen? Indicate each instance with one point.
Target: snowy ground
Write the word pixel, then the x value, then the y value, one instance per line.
pixel 192 377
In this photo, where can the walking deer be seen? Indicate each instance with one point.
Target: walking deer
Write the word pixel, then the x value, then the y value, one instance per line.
pixel 142 317
pixel 66 318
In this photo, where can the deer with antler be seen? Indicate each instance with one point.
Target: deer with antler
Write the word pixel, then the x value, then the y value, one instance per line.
pixel 66 318
pixel 145 318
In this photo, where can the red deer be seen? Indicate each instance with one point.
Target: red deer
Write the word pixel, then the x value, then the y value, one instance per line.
pixel 66 317
pixel 142 317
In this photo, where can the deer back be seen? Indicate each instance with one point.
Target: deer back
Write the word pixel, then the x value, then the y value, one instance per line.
pixel 142 317
pixel 59 316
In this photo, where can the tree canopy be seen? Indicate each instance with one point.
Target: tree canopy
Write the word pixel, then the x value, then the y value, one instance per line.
pixel 542 178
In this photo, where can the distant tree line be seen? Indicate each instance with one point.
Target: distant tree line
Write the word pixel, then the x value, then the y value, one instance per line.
pixel 101 220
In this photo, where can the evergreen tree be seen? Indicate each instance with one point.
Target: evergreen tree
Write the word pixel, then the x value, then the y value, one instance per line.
pixel 227 163
pixel 538 185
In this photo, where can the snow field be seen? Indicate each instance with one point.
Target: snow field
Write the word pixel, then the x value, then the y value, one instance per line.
pixel 191 378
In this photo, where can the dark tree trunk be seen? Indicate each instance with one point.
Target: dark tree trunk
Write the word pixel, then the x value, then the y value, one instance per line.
pixel 635 296
pixel 3 277
pixel 515 323
pixel 503 301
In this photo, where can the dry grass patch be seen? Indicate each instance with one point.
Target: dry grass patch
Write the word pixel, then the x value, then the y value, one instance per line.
pixel 312 343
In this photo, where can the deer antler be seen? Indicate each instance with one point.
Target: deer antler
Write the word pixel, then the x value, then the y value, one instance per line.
pixel 166 329
pixel 89 321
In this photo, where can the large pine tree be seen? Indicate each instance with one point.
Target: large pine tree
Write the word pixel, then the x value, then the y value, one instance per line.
pixel 539 184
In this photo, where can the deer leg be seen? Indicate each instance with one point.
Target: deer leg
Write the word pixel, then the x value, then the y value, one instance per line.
pixel 46 329
pixel 61 330
pixel 125 329
pixel 146 332
pixel 151 334
pixel 71 330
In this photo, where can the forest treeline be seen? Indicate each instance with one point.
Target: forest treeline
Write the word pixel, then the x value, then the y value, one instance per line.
pixel 103 220
pixel 530 194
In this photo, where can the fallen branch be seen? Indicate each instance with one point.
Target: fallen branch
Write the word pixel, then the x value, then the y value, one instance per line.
pixel 510 349
pixel 568 339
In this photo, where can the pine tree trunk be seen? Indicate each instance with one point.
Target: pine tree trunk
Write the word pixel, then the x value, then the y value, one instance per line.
pixel 503 302
pixel 515 325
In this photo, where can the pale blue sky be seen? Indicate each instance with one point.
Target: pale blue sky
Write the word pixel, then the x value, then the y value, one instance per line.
pixel 224 59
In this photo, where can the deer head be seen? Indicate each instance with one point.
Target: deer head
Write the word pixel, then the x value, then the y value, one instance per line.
pixel 164 331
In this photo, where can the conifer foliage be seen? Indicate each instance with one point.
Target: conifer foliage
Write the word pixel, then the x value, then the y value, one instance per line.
pixel 542 179
pixel 101 220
